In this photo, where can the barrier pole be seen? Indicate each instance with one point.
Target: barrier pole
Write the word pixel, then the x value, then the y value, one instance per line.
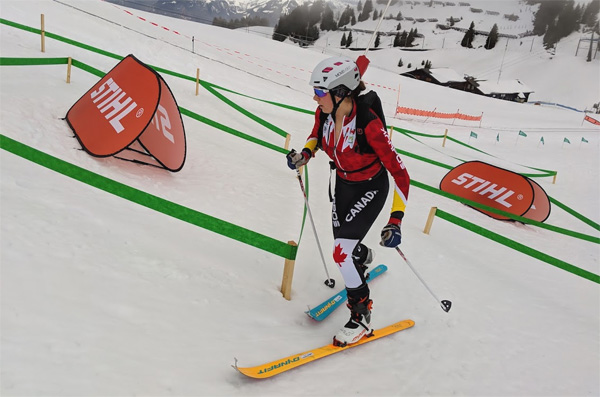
pixel 197 80
pixel 445 136
pixel 288 275
pixel 429 222
pixel 287 142
pixel 69 70
pixel 391 131
pixel 554 179
pixel 43 34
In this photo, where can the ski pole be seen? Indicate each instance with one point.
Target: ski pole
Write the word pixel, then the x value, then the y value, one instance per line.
pixel 362 61
pixel 445 304
pixel 329 282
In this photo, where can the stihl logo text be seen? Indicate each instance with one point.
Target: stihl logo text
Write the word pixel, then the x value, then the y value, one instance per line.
pixel 162 123
pixel 485 188
pixel 110 96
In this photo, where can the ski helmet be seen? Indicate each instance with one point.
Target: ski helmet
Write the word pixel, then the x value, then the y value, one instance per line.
pixel 334 73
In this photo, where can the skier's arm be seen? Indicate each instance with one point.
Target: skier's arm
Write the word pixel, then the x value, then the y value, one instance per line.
pixel 311 141
pixel 297 160
pixel 382 145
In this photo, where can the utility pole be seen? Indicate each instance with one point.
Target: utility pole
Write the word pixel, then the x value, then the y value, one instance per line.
pixel 531 49
pixel 502 63
pixel 589 57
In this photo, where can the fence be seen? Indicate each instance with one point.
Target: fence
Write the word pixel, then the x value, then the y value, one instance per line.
pixel 287 250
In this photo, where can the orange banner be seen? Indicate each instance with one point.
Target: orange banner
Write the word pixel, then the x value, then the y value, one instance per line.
pixel 439 115
pixel 497 188
pixel 130 102
pixel 592 120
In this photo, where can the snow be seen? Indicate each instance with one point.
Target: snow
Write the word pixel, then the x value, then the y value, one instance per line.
pixel 445 75
pixel 104 297
pixel 507 86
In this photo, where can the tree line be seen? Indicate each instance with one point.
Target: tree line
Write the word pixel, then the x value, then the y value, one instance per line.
pixel 240 23
pixel 554 20
pixel 557 19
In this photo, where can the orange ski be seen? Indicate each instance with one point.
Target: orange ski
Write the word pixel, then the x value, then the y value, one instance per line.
pixel 284 364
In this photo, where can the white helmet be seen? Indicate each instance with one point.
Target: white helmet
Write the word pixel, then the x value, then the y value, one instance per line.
pixel 334 72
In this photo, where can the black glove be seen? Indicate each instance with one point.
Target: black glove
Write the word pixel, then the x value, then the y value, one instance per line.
pixel 296 160
pixel 391 235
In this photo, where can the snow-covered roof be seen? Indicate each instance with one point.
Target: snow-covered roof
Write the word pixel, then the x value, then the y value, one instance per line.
pixel 503 87
pixel 445 75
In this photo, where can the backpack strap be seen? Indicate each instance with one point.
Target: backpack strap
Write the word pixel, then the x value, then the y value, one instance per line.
pixel 366 103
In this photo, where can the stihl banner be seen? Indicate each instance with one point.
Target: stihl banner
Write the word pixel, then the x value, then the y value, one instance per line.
pixel 130 102
pixel 497 188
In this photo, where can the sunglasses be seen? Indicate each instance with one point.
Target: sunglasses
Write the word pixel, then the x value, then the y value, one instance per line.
pixel 321 92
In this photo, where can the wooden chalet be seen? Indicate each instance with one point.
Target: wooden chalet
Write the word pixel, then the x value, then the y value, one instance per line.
pixel 509 90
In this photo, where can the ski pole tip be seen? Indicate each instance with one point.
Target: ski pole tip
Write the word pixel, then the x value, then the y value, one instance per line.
pixel 446 305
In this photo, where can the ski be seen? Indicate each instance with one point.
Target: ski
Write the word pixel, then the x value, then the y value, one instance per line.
pixel 285 364
pixel 320 312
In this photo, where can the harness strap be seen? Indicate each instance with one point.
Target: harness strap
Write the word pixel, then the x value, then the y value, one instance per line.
pixel 361 169
pixel 333 167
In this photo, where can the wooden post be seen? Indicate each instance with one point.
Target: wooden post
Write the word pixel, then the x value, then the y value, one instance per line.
pixel 69 70
pixel 391 131
pixel 288 275
pixel 287 142
pixel 43 35
pixel 445 136
pixel 197 80
pixel 430 220
pixel 554 179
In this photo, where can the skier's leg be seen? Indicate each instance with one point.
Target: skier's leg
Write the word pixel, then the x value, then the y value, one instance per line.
pixel 355 208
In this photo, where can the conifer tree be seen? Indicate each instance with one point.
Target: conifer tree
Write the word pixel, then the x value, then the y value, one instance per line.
pixel 349 40
pixel 377 39
pixel 492 38
pixel 346 16
pixel 589 17
pixel 327 20
pixel 397 40
pixel 366 11
pixel 343 42
pixel 469 36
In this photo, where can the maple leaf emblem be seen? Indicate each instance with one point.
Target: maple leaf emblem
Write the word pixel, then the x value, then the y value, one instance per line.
pixel 338 255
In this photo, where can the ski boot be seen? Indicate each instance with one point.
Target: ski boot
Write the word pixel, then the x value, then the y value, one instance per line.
pixel 359 324
pixel 362 256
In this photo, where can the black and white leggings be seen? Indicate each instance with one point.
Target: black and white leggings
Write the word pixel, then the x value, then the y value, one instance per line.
pixel 356 206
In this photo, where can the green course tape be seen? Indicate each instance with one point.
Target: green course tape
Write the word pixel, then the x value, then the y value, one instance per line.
pixel 541 225
pixel 575 213
pixel 150 201
pixel 518 246
pixel 229 130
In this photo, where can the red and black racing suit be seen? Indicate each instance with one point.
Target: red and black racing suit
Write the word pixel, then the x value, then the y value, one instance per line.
pixel 361 186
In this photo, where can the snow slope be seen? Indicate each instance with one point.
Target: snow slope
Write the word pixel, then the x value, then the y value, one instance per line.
pixel 103 297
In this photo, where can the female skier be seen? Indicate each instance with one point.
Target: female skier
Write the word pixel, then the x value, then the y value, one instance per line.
pixel 357 142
